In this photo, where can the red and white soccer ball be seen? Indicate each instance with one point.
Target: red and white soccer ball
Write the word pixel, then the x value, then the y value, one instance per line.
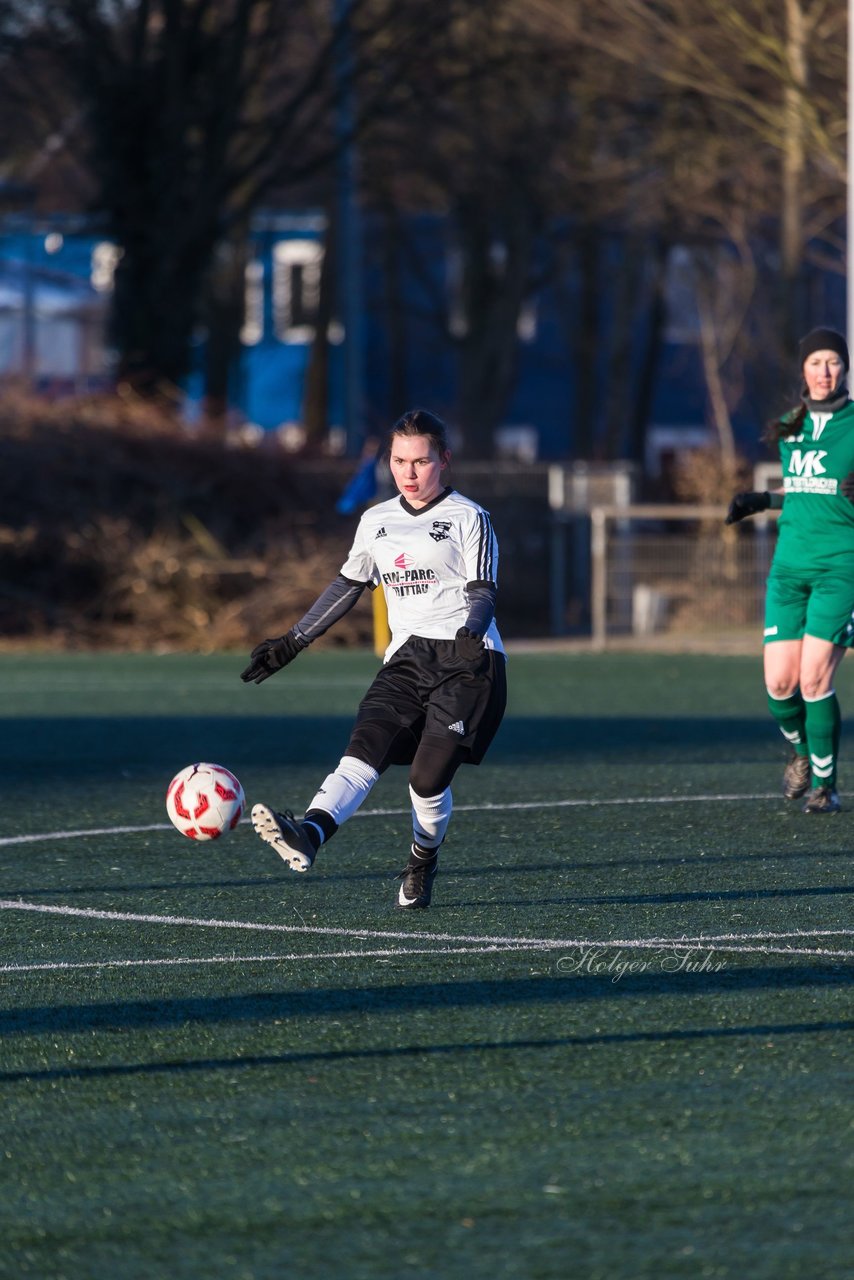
pixel 204 801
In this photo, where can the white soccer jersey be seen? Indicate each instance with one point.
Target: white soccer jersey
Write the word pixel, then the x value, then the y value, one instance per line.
pixel 423 560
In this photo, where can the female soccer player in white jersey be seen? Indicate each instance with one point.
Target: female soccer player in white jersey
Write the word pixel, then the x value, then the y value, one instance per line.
pixel 439 698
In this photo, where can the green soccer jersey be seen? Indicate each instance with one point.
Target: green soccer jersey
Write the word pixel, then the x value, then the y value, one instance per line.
pixel 816 526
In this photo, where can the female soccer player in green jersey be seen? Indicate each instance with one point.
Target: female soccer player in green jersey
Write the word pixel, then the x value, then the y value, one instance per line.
pixel 809 607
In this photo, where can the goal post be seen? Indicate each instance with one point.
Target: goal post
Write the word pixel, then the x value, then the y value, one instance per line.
pixel 677 570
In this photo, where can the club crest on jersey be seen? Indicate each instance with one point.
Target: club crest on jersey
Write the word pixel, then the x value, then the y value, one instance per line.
pixel 440 531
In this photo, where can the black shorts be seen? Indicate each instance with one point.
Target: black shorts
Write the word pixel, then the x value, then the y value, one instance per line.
pixel 426 692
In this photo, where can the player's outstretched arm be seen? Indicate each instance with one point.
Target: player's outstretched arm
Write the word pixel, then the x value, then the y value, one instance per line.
pixel 750 504
pixel 270 656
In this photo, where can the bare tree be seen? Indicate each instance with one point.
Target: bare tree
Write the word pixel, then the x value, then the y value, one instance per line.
pixel 483 151
pixel 195 112
pixel 771 74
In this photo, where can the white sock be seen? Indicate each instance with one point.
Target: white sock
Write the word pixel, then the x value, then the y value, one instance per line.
pixel 430 817
pixel 341 793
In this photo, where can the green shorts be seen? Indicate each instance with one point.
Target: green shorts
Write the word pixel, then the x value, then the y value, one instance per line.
pixel 821 606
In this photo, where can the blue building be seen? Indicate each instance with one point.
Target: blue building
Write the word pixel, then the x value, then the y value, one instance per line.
pixel 54 291
pixel 56 279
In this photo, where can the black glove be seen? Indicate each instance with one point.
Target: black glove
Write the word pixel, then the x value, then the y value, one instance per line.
pixel 846 488
pixel 270 656
pixel 469 645
pixel 747 504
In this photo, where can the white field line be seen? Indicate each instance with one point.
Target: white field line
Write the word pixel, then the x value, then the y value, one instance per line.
pixel 92 831
pixel 394 953
pixel 167 962
pixel 396 813
pixel 736 941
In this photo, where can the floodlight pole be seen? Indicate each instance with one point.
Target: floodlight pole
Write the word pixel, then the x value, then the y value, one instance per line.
pixel 349 238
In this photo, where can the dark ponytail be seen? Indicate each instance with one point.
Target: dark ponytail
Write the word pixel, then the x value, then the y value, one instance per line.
pixel 789 425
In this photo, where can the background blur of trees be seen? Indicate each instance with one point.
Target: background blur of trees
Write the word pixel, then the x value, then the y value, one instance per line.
pixel 538 127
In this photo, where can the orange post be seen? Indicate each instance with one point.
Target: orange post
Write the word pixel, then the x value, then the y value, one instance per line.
pixel 382 631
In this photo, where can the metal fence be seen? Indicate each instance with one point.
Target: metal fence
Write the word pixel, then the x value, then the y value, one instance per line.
pixel 676 570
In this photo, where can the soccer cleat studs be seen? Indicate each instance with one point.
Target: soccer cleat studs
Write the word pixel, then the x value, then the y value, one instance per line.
pixel 282 832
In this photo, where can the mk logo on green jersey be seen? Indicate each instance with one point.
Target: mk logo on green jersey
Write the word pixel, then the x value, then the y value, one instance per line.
pixel 807 463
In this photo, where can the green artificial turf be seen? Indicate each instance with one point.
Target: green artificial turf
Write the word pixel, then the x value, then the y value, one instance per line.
pixel 342 1089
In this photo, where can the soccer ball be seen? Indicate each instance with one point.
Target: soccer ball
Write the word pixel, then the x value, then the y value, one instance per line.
pixel 204 800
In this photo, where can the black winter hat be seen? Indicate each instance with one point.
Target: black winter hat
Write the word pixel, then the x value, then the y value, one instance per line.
pixel 823 340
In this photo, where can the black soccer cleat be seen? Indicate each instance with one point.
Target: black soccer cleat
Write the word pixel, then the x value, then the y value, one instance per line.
pixel 284 834
pixel 822 800
pixel 796 777
pixel 417 876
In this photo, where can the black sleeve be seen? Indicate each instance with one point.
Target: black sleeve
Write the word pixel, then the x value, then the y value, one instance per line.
pixel 338 599
pixel 481 598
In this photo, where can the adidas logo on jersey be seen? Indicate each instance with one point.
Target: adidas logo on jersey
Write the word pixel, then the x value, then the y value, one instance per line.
pixel 380 533
pixel 457 727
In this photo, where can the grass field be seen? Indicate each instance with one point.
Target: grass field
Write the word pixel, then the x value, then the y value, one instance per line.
pixel 618 1045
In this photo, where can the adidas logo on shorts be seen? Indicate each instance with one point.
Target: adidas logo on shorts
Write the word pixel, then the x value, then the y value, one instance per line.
pixel 457 727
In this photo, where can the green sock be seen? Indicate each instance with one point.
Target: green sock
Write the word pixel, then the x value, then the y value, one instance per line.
pixel 790 714
pixel 823 721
